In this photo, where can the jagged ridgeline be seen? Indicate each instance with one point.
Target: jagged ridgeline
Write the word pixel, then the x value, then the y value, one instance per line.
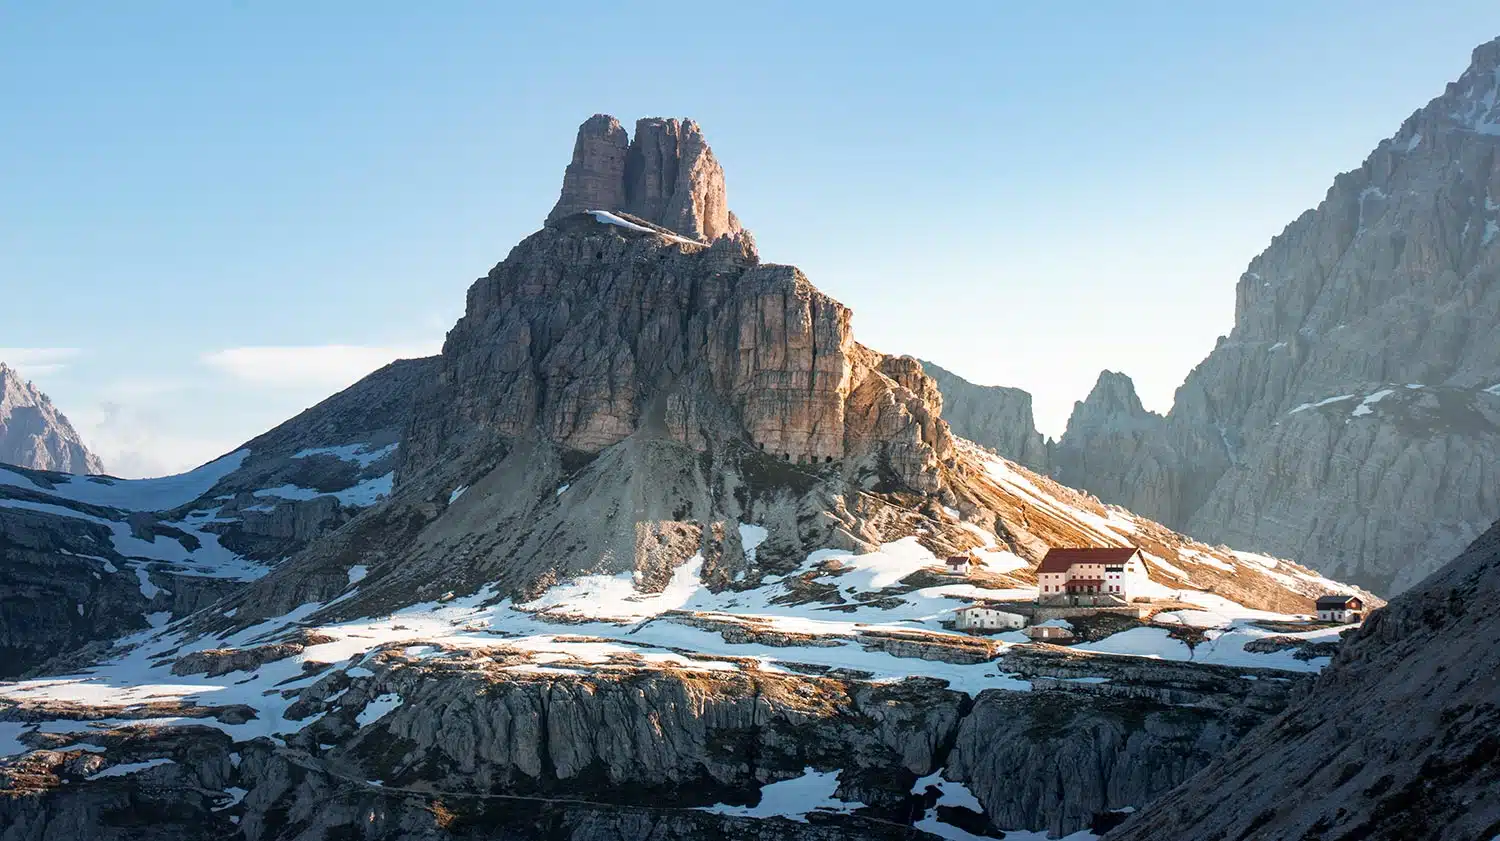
pixel 1351 417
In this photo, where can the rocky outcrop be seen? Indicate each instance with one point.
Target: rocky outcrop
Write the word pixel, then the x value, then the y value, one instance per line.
pixel 624 739
pixel 677 738
pixel 993 416
pixel 222 661
pixel 56 590
pixel 1338 766
pixel 1384 296
pixel 666 175
pixel 1057 761
pixel 34 434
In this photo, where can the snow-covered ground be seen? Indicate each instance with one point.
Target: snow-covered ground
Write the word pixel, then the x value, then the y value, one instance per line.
pixel 161 494
pixel 655 627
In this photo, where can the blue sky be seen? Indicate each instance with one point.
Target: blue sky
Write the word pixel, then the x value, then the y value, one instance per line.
pixel 215 214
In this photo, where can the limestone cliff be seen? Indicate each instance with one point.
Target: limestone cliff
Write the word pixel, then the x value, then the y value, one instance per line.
pixel 1348 419
pixel 995 416
pixel 34 434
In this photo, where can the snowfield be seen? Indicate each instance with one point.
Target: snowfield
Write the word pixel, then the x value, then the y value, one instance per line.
pixel 161 494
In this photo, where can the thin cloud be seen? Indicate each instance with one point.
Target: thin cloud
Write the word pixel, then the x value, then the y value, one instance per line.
pixel 310 366
pixel 34 361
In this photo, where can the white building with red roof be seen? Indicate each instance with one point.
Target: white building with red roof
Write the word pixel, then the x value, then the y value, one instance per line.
pixel 1092 575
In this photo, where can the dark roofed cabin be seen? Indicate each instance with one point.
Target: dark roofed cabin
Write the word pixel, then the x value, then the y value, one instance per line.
pixel 1340 608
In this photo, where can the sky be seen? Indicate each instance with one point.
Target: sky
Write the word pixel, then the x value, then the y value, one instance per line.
pixel 215 214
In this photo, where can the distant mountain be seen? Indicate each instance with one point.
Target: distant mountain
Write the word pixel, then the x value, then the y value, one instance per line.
pixel 994 416
pixel 34 434
pixel 1398 739
pixel 1351 418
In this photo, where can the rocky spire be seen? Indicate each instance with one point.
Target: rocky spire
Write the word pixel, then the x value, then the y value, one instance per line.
pixel 595 180
pixel 34 434
pixel 1112 401
pixel 667 175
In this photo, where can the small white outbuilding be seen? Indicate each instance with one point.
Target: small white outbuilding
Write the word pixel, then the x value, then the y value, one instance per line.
pixel 980 618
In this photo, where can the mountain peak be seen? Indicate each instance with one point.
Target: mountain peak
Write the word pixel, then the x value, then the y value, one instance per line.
pixel 34 434
pixel 1113 392
pixel 666 175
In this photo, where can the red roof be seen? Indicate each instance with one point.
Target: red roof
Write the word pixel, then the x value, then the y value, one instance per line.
pixel 1061 560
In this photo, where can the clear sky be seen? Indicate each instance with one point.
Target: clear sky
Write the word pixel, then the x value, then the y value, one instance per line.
pixel 213 214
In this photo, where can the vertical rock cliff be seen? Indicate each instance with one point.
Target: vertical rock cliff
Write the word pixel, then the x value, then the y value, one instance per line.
pixel 1351 418
pixel 994 416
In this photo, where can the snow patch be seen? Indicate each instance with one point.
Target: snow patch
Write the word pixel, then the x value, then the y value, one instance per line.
pixel 795 798
pixel 1324 402
pixel 363 495
pixel 751 537
pixel 148 589
pixel 378 708
pixel 357 573
pixel 129 768
pixel 608 218
pixel 1364 407
pixel 360 454
pixel 161 494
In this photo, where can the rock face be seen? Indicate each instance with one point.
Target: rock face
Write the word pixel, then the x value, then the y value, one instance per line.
pixel 669 385
pixel 55 594
pixel 1349 417
pixel 993 416
pixel 1335 765
pixel 667 176
pixel 34 434
pixel 590 333
pixel 1126 456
